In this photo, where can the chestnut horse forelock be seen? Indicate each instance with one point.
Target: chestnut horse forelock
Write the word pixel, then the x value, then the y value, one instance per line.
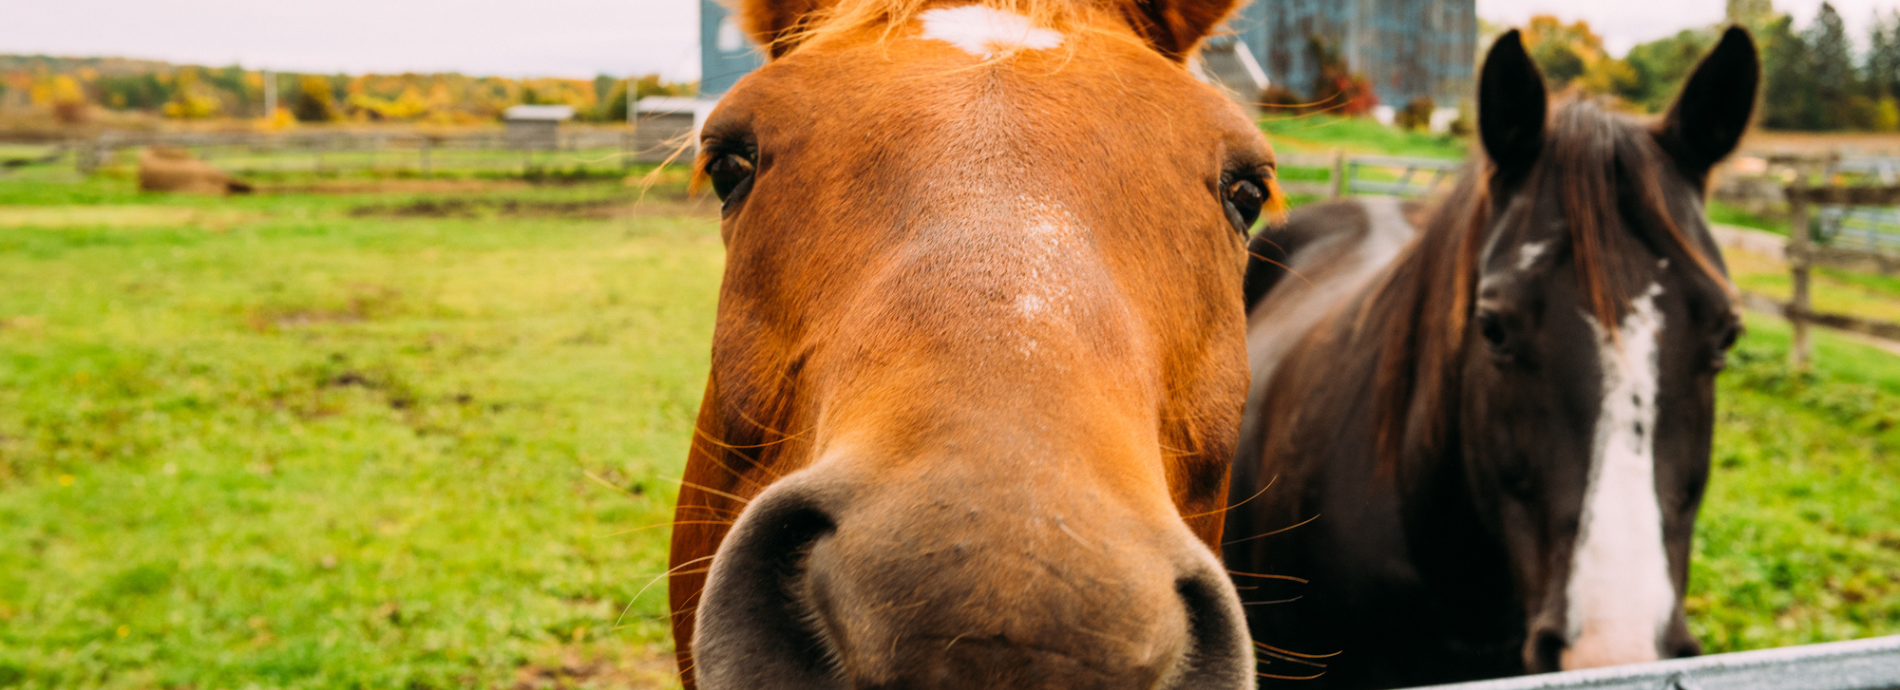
pixel 1010 254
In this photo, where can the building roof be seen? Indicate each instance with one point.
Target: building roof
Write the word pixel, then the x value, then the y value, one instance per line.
pixel 553 113
pixel 673 104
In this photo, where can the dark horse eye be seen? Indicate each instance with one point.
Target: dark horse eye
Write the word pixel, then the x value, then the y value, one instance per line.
pixel 1244 199
pixel 1492 328
pixel 729 173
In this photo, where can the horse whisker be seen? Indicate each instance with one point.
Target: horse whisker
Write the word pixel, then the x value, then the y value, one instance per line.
pixel 1300 580
pixel 1275 601
pixel 603 482
pixel 675 523
pixel 1278 650
pixel 1236 505
pixel 1269 534
pixel 708 489
pixel 1278 677
pixel 650 583
pixel 1293 660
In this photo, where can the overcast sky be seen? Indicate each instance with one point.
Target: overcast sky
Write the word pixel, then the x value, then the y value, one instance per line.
pixel 578 38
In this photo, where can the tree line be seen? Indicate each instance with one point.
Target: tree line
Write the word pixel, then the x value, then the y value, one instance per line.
pixel 1814 79
pixel 72 86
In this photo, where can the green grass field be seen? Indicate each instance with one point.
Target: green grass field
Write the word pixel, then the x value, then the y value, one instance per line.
pixel 270 442
pixel 426 441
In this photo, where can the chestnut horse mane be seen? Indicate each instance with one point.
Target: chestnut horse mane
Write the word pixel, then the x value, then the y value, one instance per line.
pixel 1414 321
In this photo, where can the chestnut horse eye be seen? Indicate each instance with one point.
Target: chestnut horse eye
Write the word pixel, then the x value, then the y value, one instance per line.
pixel 728 172
pixel 1244 200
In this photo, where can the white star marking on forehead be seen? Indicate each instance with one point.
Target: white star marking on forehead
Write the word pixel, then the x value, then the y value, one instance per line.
pixel 986 32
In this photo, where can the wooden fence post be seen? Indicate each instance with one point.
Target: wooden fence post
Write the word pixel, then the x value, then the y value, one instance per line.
pixel 427 141
pixel 87 156
pixel 1800 351
pixel 626 152
pixel 1339 173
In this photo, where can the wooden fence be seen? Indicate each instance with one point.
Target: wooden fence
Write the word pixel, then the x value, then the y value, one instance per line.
pixel 1349 174
pixel 1804 255
pixel 329 151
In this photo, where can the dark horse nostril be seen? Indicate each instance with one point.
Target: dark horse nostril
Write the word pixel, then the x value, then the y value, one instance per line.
pixel 754 627
pixel 1547 652
pixel 1686 648
pixel 1220 653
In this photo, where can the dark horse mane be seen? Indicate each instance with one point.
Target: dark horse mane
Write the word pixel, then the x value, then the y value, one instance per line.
pixel 1411 323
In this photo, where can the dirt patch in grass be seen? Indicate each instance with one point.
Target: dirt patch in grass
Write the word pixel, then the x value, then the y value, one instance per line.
pixel 359 302
pixel 128 216
pixel 394 187
pixel 469 207
pixel 646 668
pixel 654 205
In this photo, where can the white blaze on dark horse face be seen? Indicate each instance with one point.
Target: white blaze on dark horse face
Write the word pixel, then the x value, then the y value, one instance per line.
pixel 1620 597
pixel 1599 487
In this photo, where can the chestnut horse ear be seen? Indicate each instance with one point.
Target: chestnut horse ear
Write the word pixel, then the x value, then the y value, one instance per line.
pixel 1511 105
pixel 773 24
pixel 1174 27
pixel 1712 112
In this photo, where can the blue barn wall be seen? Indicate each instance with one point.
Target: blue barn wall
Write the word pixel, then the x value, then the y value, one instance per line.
pixel 725 52
pixel 1406 48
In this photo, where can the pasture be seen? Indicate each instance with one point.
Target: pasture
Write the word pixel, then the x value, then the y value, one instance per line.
pixel 426 439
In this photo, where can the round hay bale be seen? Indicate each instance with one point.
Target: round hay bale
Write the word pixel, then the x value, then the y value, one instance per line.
pixel 168 169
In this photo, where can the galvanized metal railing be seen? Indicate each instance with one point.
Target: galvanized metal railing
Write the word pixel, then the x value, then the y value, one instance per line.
pixel 1871 664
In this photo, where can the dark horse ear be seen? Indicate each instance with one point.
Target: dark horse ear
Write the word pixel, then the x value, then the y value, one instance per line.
pixel 1712 112
pixel 1174 27
pixel 1511 105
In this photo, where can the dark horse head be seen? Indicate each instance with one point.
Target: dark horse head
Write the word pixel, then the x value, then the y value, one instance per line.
pixel 1600 320
pixel 1500 422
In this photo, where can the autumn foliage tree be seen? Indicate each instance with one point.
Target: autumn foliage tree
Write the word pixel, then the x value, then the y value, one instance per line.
pixel 315 101
pixel 1813 79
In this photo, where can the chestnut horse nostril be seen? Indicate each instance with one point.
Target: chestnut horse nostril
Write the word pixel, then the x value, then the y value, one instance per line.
pixel 755 629
pixel 1220 650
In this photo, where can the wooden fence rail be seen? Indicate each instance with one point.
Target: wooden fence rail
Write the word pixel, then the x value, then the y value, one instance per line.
pixel 1346 174
pixel 1803 255
pixel 327 150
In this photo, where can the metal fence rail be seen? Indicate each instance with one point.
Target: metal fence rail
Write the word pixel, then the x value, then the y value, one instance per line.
pixel 1871 664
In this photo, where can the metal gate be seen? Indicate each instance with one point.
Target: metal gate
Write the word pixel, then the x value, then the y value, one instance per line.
pixel 1871 664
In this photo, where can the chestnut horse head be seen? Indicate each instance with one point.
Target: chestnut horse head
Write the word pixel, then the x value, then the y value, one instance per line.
pixel 979 358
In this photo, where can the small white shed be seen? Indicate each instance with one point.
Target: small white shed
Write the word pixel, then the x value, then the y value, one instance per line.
pixel 662 123
pixel 536 127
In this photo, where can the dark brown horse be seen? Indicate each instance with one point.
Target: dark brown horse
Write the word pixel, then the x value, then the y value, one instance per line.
pixel 980 354
pixel 1497 424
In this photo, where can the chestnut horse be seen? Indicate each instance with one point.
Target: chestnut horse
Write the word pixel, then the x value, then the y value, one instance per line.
pixel 1498 425
pixel 980 357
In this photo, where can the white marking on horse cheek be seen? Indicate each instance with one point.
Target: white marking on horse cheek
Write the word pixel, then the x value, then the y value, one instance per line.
pixel 1528 253
pixel 985 31
pixel 1621 598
